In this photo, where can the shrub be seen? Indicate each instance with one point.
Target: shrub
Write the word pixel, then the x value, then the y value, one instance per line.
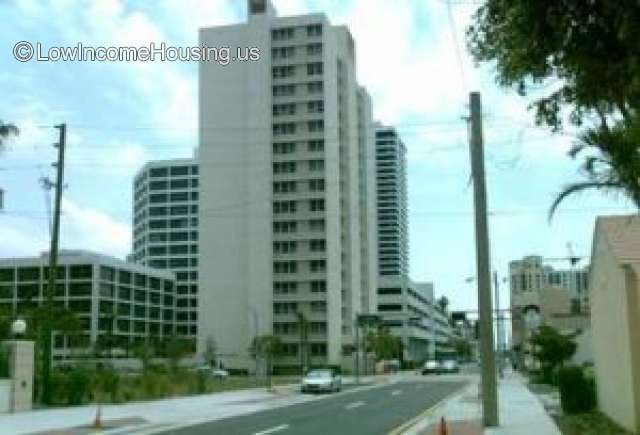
pixel 77 386
pixel 577 392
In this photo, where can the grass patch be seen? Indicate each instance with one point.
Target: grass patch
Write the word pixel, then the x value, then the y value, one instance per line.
pixel 592 423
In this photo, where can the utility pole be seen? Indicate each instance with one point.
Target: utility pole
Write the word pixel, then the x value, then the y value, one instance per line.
pixel 487 353
pixel 53 268
pixel 498 325
pixel 357 325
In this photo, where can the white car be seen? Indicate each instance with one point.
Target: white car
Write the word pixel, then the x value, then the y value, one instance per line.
pixel 219 373
pixel 321 381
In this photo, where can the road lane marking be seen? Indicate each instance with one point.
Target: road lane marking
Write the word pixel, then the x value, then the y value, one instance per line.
pixel 273 430
pixel 354 405
pixel 402 428
pixel 395 393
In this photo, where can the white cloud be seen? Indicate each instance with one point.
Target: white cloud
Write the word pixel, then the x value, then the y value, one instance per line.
pixel 84 227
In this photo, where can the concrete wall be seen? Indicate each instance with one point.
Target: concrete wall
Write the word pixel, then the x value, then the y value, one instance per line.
pixel 611 337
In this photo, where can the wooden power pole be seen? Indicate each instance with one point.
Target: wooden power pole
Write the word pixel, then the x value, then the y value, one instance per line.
pixel 487 352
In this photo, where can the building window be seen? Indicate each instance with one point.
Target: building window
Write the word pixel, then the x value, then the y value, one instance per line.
pixel 282 33
pixel 285 227
pixel 318 265
pixel 284 128
pixel 285 307
pixel 316 165
pixel 316 205
pixel 315 145
pixel 283 52
pixel 284 167
pixel 314 30
pixel 284 147
pixel 315 106
pixel 314 87
pixel 284 247
pixel 316 225
pixel 314 49
pixel 318 286
pixel 280 207
pixel 319 306
pixel 180 170
pixel 316 185
pixel 286 287
pixel 316 125
pixel 314 68
pixel 284 187
pixel 283 90
pixel 283 71
pixel 158 172
pixel 318 245
pixel 285 267
pixel 284 109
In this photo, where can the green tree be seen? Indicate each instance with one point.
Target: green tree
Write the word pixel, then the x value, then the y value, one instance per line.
pixel 175 350
pixel 461 348
pixel 143 352
pixel 211 351
pixel 267 348
pixel 552 349
pixel 580 58
pixel 384 345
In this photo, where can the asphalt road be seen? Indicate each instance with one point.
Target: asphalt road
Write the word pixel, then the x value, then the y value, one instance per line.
pixel 372 411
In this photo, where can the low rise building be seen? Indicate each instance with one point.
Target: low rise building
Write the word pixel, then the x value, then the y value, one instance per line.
pixel 409 311
pixel 127 302
pixel 615 316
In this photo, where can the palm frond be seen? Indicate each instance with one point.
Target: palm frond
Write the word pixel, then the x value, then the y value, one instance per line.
pixel 574 188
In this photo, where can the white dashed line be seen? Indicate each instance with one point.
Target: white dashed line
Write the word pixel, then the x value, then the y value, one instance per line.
pixel 273 430
pixel 354 405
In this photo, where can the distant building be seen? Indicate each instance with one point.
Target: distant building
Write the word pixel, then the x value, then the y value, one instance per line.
pixel 410 312
pixel 615 315
pixel 166 230
pixel 553 293
pixel 391 182
pixel 129 302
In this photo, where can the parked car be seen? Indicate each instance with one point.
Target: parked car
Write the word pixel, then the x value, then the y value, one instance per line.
pixel 219 373
pixel 450 366
pixel 431 366
pixel 318 381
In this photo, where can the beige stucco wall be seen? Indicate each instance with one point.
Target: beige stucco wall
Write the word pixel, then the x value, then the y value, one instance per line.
pixel 609 319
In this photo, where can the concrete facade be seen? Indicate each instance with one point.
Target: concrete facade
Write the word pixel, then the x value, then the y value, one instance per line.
pixel 615 313
pixel 561 296
pixel 165 230
pixel 409 310
pixel 131 302
pixel 283 148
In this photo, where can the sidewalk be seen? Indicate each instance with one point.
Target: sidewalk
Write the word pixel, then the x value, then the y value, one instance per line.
pixel 520 412
pixel 134 416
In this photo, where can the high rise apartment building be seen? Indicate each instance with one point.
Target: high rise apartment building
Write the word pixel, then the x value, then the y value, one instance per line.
pixel 391 177
pixel 285 157
pixel 165 230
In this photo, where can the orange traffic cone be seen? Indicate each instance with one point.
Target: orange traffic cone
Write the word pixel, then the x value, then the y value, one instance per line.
pixel 442 429
pixel 97 421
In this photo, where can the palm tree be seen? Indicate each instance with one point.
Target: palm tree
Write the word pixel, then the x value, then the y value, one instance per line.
pixel 615 165
pixel 7 130
pixel 268 347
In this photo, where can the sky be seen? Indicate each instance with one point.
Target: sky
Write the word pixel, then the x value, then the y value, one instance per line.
pixel 411 56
